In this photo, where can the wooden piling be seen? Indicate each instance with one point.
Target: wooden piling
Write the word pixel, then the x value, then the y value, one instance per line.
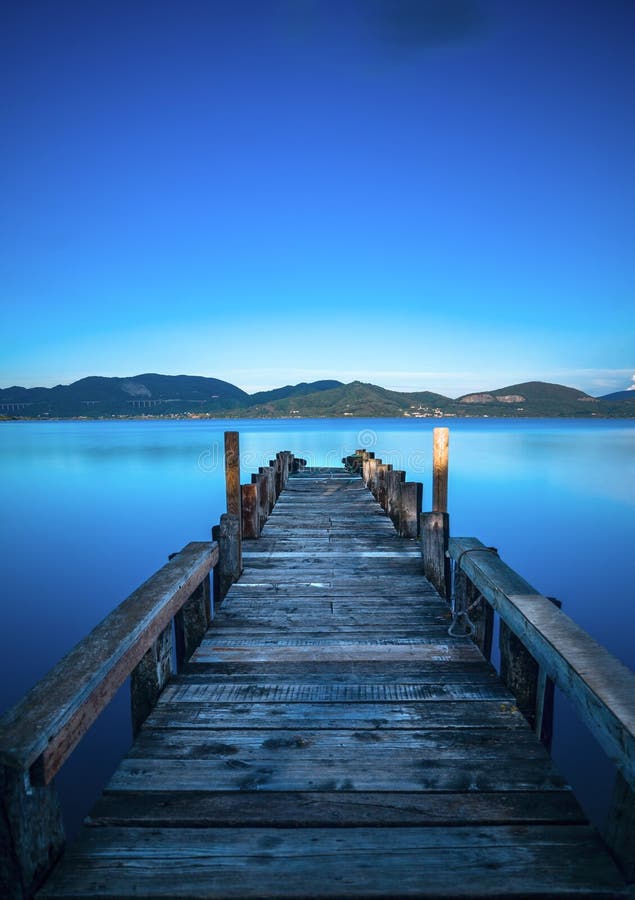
pixel 410 502
pixel 435 536
pixel 249 505
pixel 441 439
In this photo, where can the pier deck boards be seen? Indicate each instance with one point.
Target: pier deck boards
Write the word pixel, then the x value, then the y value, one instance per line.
pixel 329 739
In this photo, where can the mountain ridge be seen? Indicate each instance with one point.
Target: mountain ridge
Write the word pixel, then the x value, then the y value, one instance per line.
pixel 193 395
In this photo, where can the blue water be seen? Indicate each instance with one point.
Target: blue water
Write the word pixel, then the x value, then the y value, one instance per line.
pixel 91 509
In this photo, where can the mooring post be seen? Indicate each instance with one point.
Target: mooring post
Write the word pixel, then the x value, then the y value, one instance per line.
pixel 435 525
pixel 440 442
pixel 249 501
pixel 435 538
pixel 232 472
pixel 233 492
pixel 410 502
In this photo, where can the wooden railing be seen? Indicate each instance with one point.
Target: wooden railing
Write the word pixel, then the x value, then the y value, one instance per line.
pixel 163 620
pixel 540 647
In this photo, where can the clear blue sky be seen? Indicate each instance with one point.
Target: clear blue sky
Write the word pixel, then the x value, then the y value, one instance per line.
pixel 426 194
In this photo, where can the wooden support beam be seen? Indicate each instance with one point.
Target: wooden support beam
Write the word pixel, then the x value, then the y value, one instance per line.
pixel 249 505
pixel 435 535
pixel 441 439
pixel 410 502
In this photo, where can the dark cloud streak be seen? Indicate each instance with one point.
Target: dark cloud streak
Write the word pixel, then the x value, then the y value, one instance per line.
pixel 420 24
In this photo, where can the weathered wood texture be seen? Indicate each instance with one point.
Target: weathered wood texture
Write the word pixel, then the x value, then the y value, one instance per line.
pixel 330 739
pixel 435 534
pixel 232 472
pixel 440 454
pixel 250 510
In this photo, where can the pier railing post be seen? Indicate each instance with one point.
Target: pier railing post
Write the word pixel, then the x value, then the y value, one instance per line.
pixel 481 613
pixel 519 671
pixel 620 829
pixel 31 833
pixel 149 677
pixel 435 538
pixel 191 623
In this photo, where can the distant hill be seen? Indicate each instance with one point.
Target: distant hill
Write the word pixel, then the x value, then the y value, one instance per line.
pixel 97 396
pixel 354 399
pixel 293 390
pixel 620 395
pixel 177 395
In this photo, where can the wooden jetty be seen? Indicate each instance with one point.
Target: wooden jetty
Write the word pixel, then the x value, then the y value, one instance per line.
pixel 321 723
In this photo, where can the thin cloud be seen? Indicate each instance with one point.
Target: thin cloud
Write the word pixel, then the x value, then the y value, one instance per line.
pixel 420 24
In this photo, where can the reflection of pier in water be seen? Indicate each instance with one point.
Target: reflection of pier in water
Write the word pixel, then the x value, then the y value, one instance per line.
pixel 331 727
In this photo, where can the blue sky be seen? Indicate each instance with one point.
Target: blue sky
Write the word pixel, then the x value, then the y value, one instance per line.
pixel 426 194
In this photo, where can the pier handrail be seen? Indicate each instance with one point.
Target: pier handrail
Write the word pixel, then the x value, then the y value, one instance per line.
pixel 600 688
pixel 39 733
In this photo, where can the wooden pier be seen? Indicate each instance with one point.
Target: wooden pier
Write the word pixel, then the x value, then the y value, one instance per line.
pixel 322 733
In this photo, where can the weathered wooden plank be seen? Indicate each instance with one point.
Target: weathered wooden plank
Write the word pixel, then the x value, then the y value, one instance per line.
pixel 368 748
pixel 334 692
pixel 47 724
pixel 410 715
pixel 293 773
pixel 334 808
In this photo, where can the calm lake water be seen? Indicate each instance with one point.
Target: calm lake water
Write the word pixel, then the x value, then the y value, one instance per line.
pixel 91 509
